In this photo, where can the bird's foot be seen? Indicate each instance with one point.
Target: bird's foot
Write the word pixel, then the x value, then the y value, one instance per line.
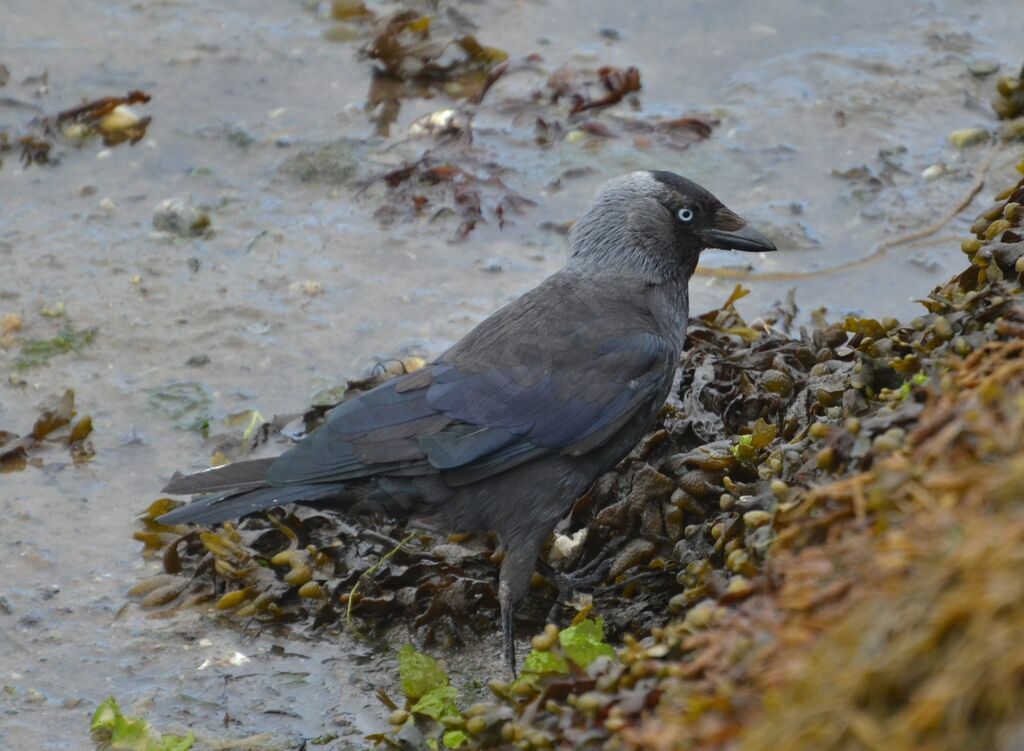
pixel 568 584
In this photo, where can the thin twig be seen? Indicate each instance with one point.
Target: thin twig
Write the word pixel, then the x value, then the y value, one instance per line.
pixel 370 572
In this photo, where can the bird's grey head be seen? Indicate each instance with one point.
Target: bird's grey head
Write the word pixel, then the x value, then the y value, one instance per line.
pixel 654 225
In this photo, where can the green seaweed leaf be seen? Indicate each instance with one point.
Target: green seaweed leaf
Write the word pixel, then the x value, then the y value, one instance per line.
pixel 37 352
pixel 188 403
pixel 438 703
pixel 584 642
pixel 743 448
pixel 581 643
pixel 455 738
pixel 545 662
pixel 420 673
pixel 112 730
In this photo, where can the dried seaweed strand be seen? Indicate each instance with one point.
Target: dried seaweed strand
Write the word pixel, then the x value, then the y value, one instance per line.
pixel 370 572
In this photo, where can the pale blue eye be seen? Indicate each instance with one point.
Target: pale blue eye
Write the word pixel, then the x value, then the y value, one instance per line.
pixel 685 215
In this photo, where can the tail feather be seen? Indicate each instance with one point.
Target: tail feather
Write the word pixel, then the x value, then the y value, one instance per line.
pixel 219 507
pixel 236 476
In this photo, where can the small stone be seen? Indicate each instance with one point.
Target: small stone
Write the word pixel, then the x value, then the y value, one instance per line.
pixel 34 696
pixel 309 287
pixel 982 66
pixel 177 216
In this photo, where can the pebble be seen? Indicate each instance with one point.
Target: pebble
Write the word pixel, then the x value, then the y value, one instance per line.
pixel 983 66
pixel 178 216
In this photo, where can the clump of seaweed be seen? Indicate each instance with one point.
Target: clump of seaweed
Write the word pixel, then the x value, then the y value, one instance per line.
pixel 56 424
pixel 38 352
pixel 434 188
pixel 109 118
pixel 424 55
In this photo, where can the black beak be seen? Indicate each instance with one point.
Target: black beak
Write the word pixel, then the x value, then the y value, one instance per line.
pixel 733 233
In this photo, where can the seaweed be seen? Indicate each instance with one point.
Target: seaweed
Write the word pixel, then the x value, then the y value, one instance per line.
pixel 109 118
pixel 421 56
pixel 36 353
pixel 432 186
pixel 111 729
pixel 56 424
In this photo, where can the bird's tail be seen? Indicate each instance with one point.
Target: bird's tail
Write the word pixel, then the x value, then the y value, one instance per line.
pixel 245 475
pixel 218 507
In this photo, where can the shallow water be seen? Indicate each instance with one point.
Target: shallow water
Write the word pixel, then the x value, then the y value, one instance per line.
pixel 226 73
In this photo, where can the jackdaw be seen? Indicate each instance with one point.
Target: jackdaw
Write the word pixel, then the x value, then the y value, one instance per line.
pixel 505 430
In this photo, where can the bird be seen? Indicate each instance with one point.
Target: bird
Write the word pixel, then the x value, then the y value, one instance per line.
pixel 510 426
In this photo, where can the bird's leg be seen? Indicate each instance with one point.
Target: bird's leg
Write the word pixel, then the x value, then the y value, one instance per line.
pixel 513 584
pixel 508 632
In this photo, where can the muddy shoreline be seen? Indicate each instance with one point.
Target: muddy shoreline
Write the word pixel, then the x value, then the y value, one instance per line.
pixel 303 284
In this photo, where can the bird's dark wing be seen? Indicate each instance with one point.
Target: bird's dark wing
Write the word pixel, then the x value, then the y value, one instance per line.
pixel 470 425
pixel 551 373
pixel 374 433
pixel 507 416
